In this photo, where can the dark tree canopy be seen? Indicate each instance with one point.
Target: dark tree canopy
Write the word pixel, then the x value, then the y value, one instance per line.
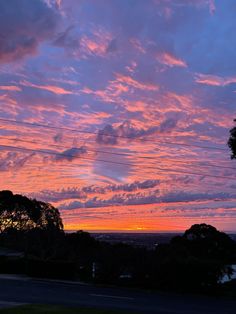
pixel 232 142
pixel 196 260
pixel 202 231
pixel 22 213
pixel 205 241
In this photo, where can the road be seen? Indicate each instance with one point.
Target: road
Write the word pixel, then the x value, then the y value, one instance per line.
pixel 23 290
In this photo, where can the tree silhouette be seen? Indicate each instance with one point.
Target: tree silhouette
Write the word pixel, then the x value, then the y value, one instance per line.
pixel 196 260
pixel 232 142
pixel 205 241
pixel 20 213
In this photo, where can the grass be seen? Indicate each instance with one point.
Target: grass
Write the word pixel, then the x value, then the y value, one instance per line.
pixel 49 309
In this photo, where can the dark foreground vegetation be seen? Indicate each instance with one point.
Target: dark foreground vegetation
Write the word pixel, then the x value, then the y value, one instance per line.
pixel 43 309
pixel 195 261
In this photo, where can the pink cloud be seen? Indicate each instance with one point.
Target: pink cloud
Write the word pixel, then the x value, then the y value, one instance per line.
pixel 214 80
pixel 93 47
pixel 58 4
pixel 212 6
pixel 137 45
pixel 136 84
pixel 122 84
pixel 95 44
pixel 170 60
pixel 12 88
pixel 51 88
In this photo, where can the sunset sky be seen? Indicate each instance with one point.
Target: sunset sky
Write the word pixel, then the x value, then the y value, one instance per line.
pixel 122 110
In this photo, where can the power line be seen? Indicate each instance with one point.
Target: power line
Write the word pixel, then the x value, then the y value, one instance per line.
pixel 113 162
pixel 111 135
pixel 122 154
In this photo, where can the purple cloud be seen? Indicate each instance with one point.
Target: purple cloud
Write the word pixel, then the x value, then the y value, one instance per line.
pixel 71 154
pixel 23 26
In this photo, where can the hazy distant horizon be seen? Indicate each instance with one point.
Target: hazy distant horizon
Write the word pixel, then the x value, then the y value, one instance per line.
pixel 140 232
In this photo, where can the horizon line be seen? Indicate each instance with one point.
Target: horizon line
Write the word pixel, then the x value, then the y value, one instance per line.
pixel 139 231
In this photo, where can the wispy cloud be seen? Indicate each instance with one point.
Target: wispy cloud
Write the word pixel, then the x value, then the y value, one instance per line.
pixel 171 60
pixel 214 80
pixel 51 88
pixel 127 80
pixel 11 88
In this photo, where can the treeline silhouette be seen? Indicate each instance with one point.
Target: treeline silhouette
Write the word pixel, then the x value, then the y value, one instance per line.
pixel 195 261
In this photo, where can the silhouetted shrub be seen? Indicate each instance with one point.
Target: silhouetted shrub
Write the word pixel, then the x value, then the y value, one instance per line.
pixel 12 265
pixel 50 269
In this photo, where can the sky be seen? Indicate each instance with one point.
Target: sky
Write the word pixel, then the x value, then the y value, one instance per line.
pixel 122 110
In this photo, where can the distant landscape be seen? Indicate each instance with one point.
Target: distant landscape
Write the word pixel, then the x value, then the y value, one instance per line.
pixel 149 240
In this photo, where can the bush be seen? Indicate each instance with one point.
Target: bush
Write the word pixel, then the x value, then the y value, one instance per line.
pixel 50 269
pixel 12 265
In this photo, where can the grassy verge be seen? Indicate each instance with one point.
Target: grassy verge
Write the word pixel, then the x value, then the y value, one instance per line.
pixel 48 309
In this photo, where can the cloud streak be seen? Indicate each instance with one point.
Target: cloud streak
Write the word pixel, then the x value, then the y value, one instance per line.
pixel 170 60
pixel 214 80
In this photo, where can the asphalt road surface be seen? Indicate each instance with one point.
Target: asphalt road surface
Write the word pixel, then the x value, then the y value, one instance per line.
pixel 23 290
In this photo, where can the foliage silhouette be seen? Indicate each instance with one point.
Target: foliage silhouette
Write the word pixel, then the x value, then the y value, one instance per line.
pixel 21 213
pixel 232 142
pixel 196 260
